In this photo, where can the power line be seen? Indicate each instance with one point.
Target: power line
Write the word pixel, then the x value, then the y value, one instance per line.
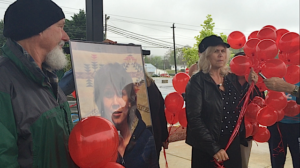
pixel 147 37
pixel 132 36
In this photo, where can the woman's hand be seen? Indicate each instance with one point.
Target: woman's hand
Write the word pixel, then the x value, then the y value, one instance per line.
pixel 221 156
pixel 252 77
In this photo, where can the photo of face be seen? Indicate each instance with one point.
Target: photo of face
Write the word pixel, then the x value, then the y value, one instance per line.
pixel 115 95
pixel 116 105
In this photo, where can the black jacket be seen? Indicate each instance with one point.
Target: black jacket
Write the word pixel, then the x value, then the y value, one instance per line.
pixel 159 122
pixel 204 110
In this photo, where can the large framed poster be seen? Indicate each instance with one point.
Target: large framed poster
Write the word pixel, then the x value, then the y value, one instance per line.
pixel 110 83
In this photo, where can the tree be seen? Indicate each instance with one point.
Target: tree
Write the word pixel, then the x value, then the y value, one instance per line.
pixel 157 61
pixel 169 57
pixel 76 27
pixel 191 54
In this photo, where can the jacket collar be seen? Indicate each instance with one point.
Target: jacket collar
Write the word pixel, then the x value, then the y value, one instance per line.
pixel 141 126
pixel 44 77
pixel 230 76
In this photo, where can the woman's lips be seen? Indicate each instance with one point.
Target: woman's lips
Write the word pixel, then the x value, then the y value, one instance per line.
pixel 116 113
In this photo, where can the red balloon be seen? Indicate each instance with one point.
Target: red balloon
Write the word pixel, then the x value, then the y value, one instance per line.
pixel 172 118
pixel 261 86
pixel 266 116
pixel 248 128
pixel 266 49
pixel 114 157
pixel 93 142
pixel 236 39
pixel 293 58
pixel 259 101
pixel 253 35
pixel 251 112
pixel 250 47
pixel 276 100
pixel 291 109
pixel 270 26
pixel 280 33
pixel 283 57
pixel 280 114
pixel 240 65
pixel 289 42
pixel 267 33
pixel 112 165
pixel 262 135
pixel 274 68
pixel 255 128
pixel 74 94
pixel 292 74
pixel 180 81
pixel 174 102
pixel 182 118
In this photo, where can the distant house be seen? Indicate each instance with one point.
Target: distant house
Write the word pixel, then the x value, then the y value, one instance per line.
pixel 151 69
pixel 179 67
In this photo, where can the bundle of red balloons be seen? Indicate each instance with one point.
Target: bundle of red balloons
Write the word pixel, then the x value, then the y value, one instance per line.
pixel 174 111
pixel 261 48
pixel 93 143
pixel 266 113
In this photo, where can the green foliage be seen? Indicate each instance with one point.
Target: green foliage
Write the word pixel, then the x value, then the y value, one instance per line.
pixel 191 54
pixel 157 61
pixel 170 71
pixel 169 57
pixel 76 27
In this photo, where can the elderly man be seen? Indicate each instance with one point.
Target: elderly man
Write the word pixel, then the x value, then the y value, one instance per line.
pixel 35 120
pixel 289 134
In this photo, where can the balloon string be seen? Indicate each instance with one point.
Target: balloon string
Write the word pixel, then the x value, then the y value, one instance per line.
pixel 280 147
pixel 240 119
pixel 165 155
pixel 73 105
pixel 242 113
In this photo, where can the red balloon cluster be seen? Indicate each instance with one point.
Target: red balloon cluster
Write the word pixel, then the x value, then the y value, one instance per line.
pixel 174 102
pixel 262 49
pixel 93 142
pixel 266 113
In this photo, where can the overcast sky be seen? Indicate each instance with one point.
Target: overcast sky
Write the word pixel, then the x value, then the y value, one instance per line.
pixel 155 17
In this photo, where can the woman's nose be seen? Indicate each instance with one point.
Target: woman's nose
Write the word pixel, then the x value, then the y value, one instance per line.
pixel 118 101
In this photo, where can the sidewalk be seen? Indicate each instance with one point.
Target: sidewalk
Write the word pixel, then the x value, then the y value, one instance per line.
pixel 179 156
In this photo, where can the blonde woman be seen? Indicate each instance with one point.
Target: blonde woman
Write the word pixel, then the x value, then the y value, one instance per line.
pixel 212 107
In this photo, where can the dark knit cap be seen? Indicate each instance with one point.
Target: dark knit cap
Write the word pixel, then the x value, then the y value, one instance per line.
pixel 26 18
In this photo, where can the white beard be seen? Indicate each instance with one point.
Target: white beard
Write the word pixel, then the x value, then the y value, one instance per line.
pixel 56 59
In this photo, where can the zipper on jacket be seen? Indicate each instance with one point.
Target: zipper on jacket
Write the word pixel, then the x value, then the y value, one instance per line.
pixel 66 117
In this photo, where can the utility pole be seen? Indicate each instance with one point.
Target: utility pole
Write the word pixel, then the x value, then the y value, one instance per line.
pixel 94 20
pixel 174 47
pixel 105 29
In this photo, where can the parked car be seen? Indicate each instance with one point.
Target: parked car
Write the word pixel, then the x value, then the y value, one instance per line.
pixel 155 75
pixel 164 75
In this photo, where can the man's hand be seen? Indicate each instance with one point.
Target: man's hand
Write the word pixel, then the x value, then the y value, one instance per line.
pixel 221 156
pixel 279 85
pixel 109 41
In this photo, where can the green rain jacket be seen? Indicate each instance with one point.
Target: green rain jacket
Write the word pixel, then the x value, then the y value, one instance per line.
pixel 35 122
